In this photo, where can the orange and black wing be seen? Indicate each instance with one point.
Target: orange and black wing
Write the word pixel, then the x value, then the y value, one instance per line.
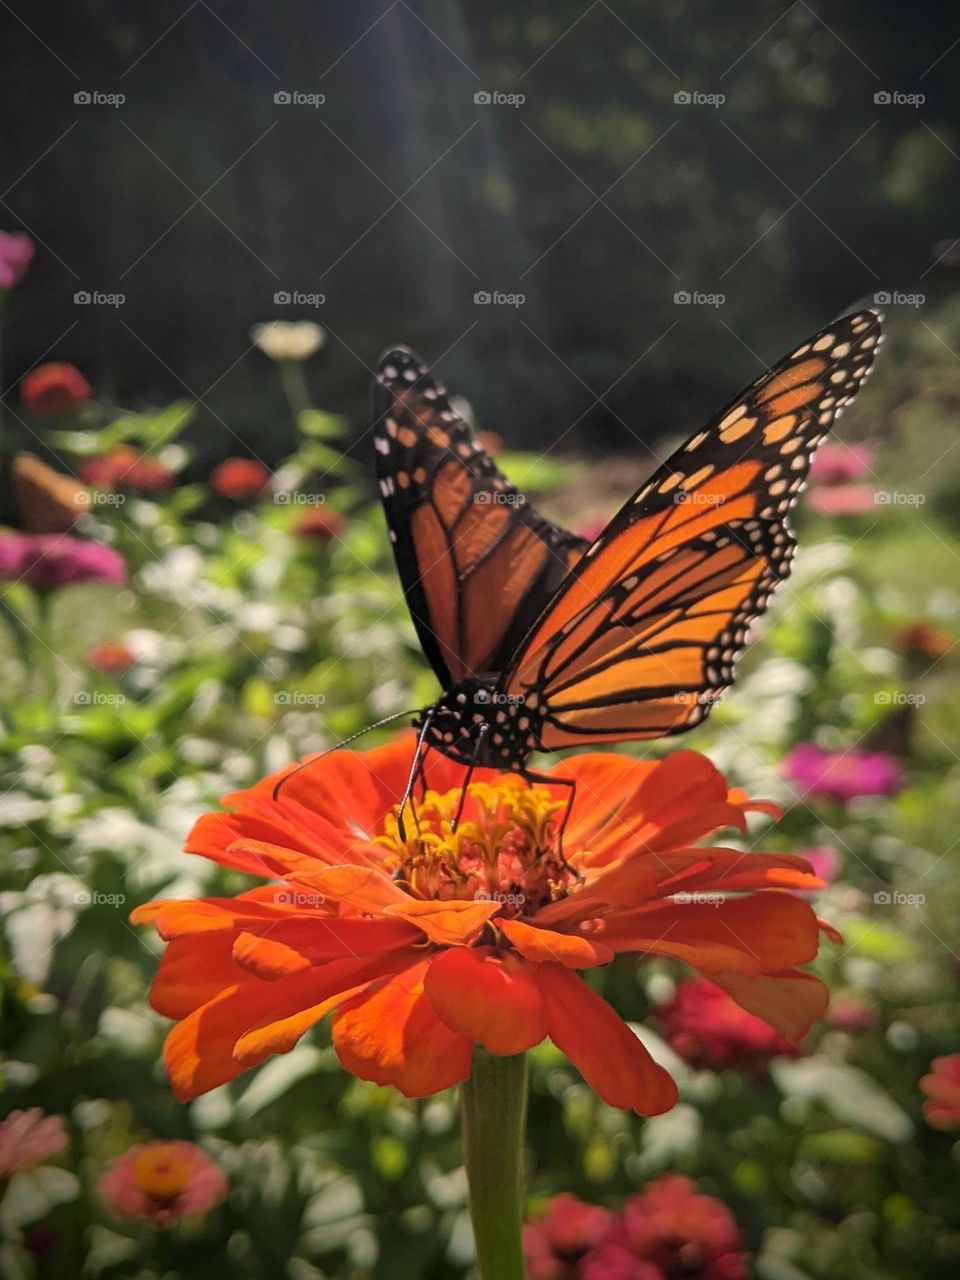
pixel 478 565
pixel 48 501
pixel 643 636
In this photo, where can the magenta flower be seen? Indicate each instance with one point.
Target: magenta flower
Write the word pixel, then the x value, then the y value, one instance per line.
pixel 554 1243
pixel 47 560
pixel 16 254
pixel 836 464
pixel 842 499
pixel 669 1230
pixel 27 1137
pixel 163 1181
pixel 707 1028
pixel 842 775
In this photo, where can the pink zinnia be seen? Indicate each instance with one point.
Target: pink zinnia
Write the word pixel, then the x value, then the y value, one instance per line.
pixel 666 1231
pixel 555 1242
pixel 709 1029
pixel 27 1137
pixel 163 1181
pixel 853 1016
pixel 842 499
pixel 842 775
pixel 16 254
pixel 836 464
pixel 942 1089
pixel 47 560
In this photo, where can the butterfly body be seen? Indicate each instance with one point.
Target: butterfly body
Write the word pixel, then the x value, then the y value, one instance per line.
pixel 476 723
pixel 542 641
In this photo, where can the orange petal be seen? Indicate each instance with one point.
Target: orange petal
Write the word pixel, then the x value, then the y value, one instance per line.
pixel 198 1053
pixel 362 888
pixel 603 1048
pixel 571 949
pixel 192 972
pixel 392 1035
pixel 179 917
pixel 790 1001
pixel 761 933
pixel 489 996
pixel 293 944
pixel 448 924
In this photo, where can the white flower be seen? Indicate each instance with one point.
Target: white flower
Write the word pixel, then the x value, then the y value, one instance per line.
pixel 288 339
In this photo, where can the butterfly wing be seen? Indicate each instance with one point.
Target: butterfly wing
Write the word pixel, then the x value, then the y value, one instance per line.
pixel 477 563
pixel 643 636
pixel 48 501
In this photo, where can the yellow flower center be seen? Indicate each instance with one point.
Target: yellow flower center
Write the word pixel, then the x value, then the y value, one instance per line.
pixel 162 1173
pixel 505 848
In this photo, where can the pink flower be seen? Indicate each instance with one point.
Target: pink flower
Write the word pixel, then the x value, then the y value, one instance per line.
pixel 16 254
pixel 163 1181
pixel 942 1088
pixel 27 1137
pixel 824 863
pixel 709 1029
pixel 836 464
pixel 47 560
pixel 667 1231
pixel 853 1016
pixel 842 775
pixel 554 1243
pixel 842 499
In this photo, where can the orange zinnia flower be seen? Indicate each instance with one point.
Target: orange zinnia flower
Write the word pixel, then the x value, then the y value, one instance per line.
pixel 426 946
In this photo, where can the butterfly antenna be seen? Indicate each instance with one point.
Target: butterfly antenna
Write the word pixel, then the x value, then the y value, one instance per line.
pixel 414 770
pixel 378 724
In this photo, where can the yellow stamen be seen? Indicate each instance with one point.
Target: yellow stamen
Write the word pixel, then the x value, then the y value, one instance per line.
pixel 505 849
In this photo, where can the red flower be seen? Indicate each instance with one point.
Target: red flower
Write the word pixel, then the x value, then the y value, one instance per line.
pixel 556 1241
pixel 320 526
pixel 163 1181
pixel 127 467
pixel 54 388
pixel 709 1029
pixel 668 1231
pixel 111 657
pixel 239 479
pixel 922 639
pixel 942 1088
pixel 422 947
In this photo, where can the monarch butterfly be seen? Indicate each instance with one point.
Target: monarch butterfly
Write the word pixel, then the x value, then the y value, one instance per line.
pixel 543 642
pixel 48 501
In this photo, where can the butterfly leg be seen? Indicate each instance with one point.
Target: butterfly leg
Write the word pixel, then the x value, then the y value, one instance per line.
pixel 481 735
pixel 543 779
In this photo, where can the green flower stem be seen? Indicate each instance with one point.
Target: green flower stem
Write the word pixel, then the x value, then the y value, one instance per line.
pixel 295 388
pixel 493 1106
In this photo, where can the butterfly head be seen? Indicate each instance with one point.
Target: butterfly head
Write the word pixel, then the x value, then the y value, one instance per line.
pixel 476 723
